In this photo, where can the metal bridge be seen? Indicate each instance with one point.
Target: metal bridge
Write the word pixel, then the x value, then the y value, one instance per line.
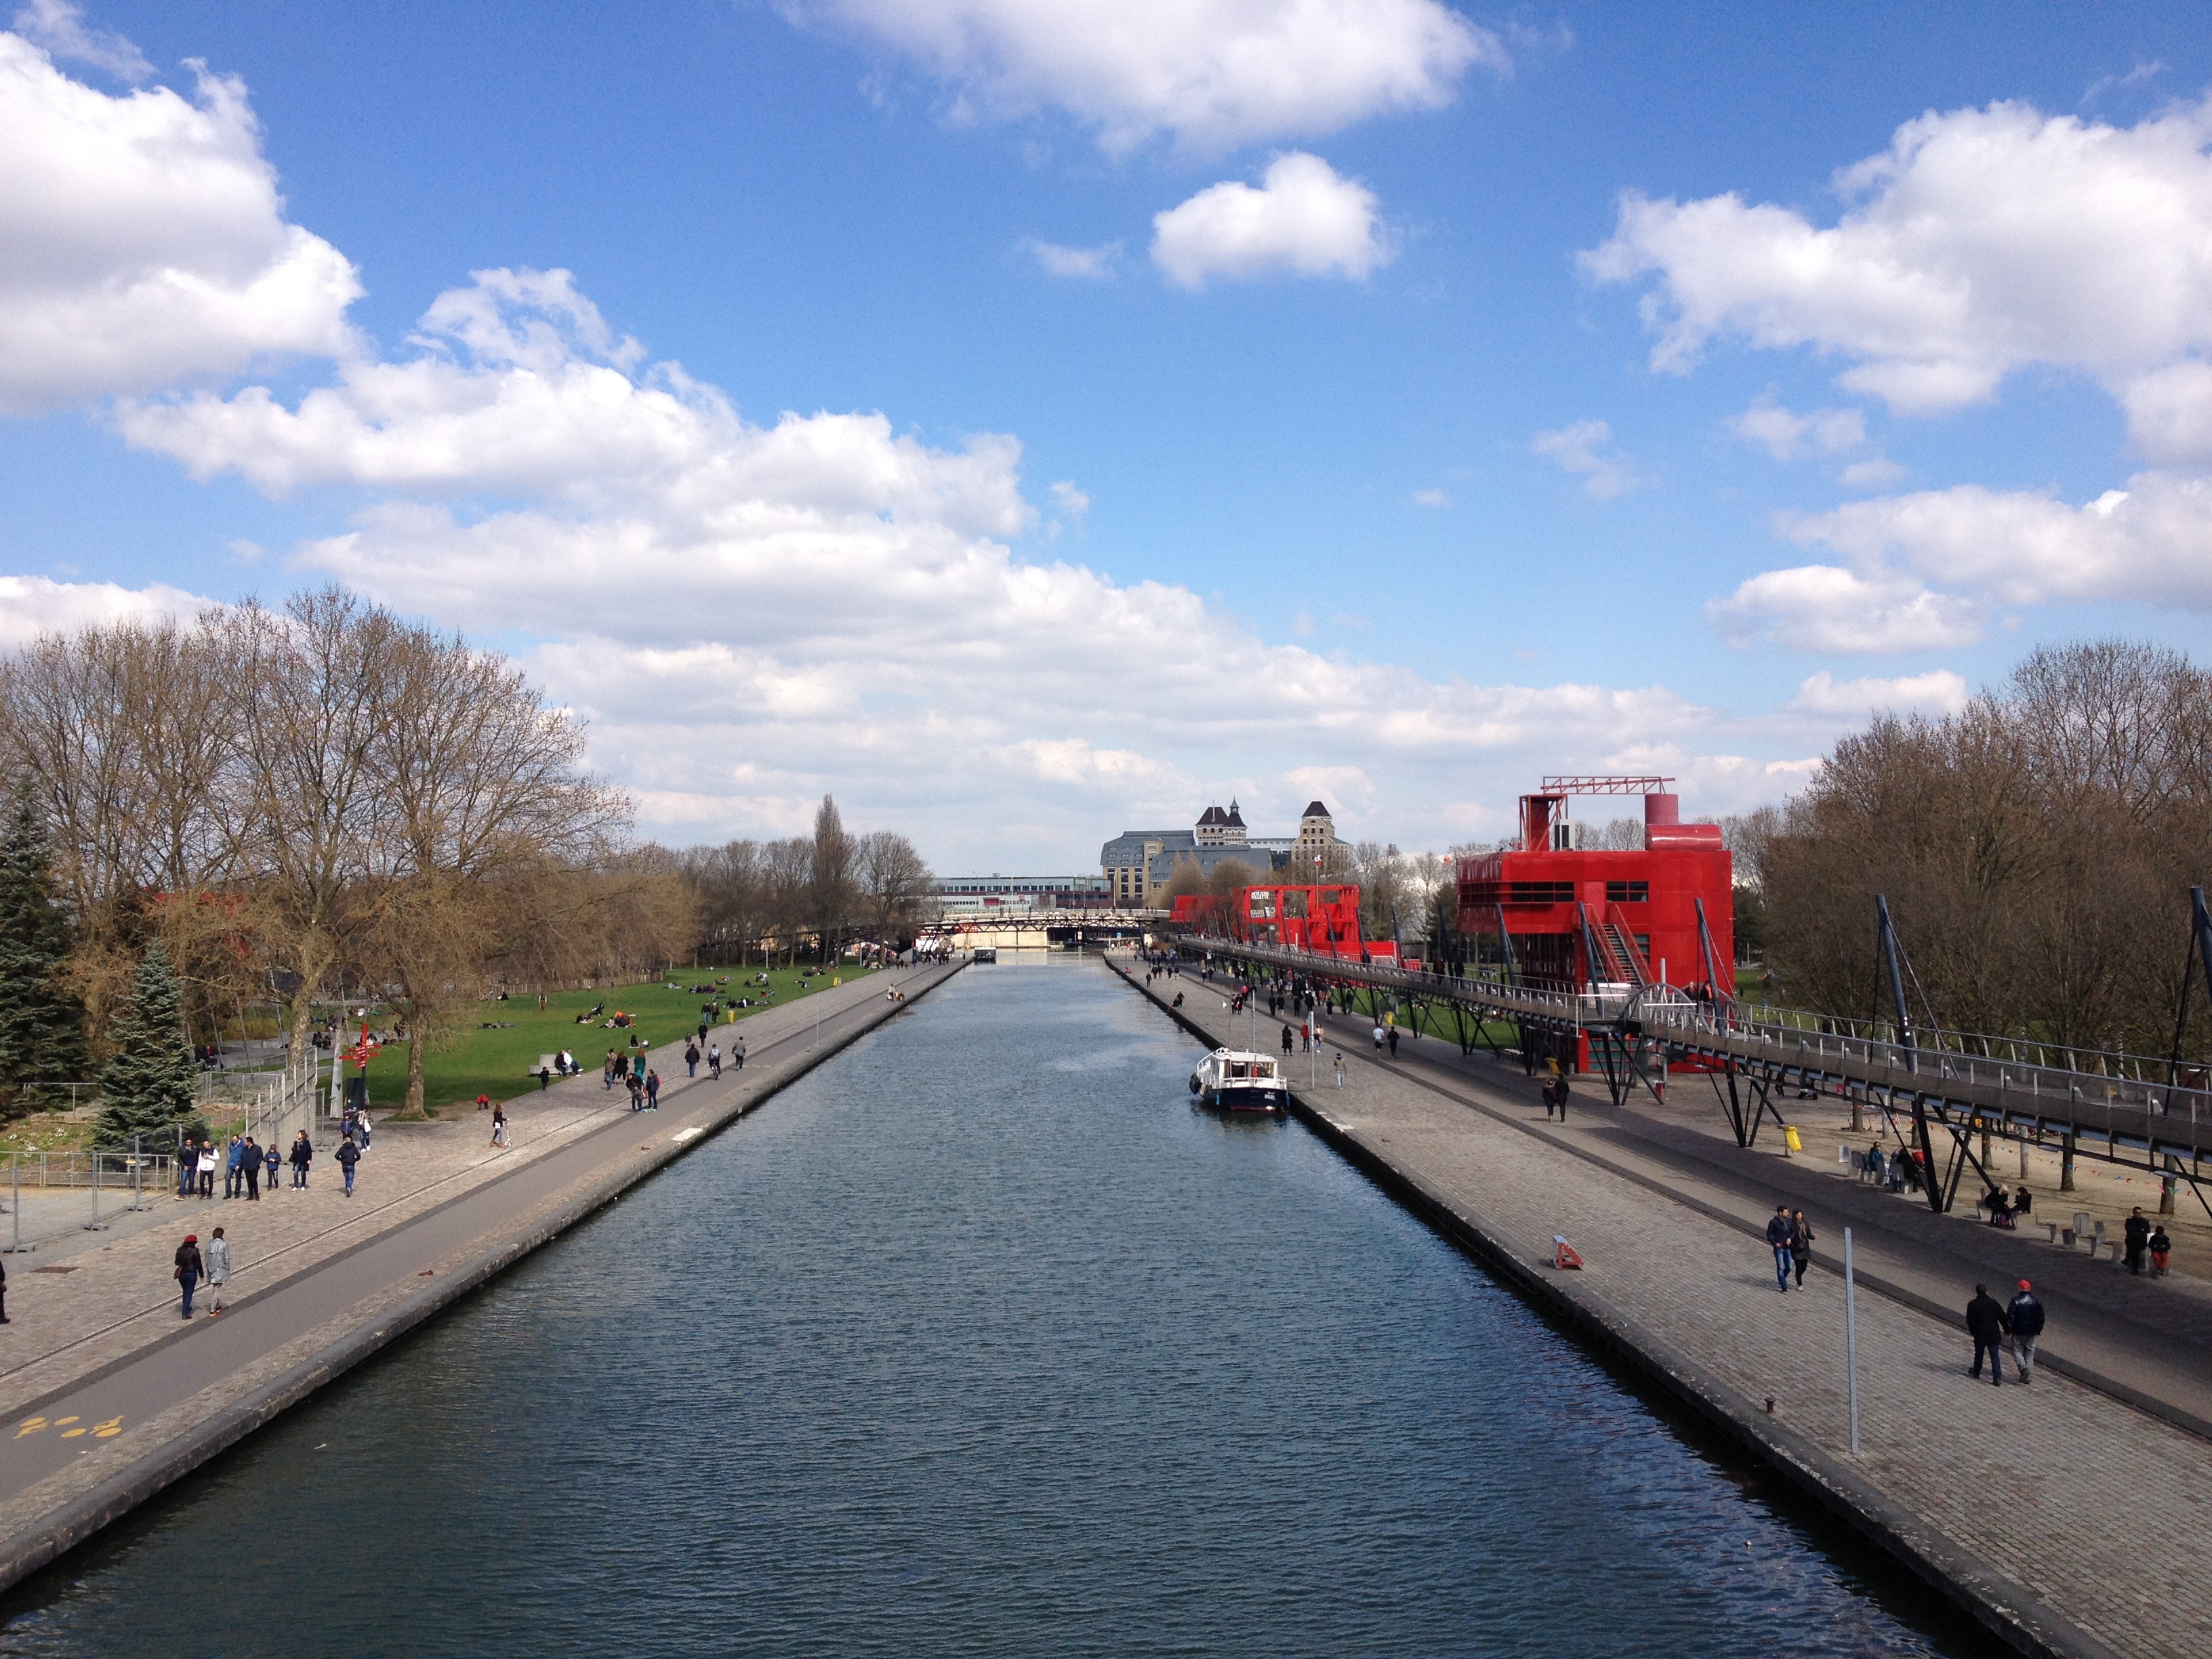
pixel 1010 929
pixel 1931 1086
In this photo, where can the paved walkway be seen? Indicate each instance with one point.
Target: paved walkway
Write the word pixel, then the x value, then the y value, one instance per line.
pixel 100 1372
pixel 2096 1510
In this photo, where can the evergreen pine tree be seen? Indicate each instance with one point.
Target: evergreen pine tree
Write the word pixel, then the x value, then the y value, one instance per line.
pixel 41 1020
pixel 149 1081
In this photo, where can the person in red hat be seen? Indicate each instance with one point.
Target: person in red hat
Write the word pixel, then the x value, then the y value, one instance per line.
pixel 2024 1319
pixel 189 1268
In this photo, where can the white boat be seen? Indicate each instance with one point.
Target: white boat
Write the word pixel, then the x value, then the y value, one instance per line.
pixel 1241 1082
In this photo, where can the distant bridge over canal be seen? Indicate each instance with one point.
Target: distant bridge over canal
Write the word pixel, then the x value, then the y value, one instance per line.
pixel 1014 929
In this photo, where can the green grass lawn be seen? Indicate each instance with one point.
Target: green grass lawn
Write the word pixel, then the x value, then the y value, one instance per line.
pixel 500 1063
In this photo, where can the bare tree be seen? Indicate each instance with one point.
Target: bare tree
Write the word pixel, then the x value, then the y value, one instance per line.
pixel 894 881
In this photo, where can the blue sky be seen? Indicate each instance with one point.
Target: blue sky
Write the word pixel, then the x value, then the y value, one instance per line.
pixel 1386 401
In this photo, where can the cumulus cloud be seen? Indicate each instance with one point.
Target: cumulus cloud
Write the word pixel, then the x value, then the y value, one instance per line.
pixel 1993 549
pixel 1304 220
pixel 1939 691
pixel 1983 240
pixel 33 605
pixel 143 242
pixel 1789 436
pixel 1208 75
pixel 1584 448
pixel 1091 264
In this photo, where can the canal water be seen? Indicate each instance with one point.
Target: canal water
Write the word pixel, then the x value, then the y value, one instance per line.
pixel 981 1340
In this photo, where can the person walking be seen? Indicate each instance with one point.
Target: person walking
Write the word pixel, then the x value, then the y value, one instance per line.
pixel 1289 1045
pixel 545 1078
pixel 1986 1323
pixel 1801 1244
pixel 361 1127
pixel 714 1059
pixel 2024 1319
pixel 691 1059
pixel 2161 1247
pixel 348 1154
pixel 499 1126
pixel 303 1154
pixel 607 1071
pixel 218 1271
pixel 737 1053
pixel 2138 1239
pixel 275 1159
pixel 1378 1038
pixel 1338 1063
pixel 1393 1035
pixel 249 1169
pixel 189 1265
pixel 1779 1232
pixel 205 1166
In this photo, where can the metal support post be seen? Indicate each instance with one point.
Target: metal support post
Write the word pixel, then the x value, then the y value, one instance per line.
pixel 137 1173
pixel 95 1226
pixel 15 1201
pixel 1851 1335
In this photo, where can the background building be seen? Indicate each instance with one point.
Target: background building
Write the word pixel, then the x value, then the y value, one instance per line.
pixel 1138 863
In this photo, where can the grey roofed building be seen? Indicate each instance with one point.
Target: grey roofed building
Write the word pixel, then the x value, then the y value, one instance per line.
pixel 1162 866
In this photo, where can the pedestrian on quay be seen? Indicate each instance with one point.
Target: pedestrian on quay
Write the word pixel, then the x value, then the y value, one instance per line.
pixel 691 1058
pixel 714 1059
pixel 499 1126
pixel 1877 1166
pixel 2138 1238
pixel 206 1165
pixel 1394 1041
pixel 235 1157
pixel 1287 1042
pixel 2161 1247
pixel 1801 1244
pixel 348 1154
pixel 1779 1232
pixel 737 1053
pixel 303 1154
pixel 607 1071
pixel 2024 1319
pixel 651 1091
pixel 275 1160
pixel 189 1267
pixel 1986 1323
pixel 218 1271
pixel 188 1167
pixel 1340 1070
pixel 545 1078
pixel 1378 1037
pixel 3 1294
pixel 249 1169
pixel 361 1127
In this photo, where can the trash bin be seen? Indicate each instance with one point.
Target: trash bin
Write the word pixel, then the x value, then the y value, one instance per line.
pixel 1790 1137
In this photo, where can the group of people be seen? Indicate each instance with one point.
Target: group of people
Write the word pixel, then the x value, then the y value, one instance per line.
pixel 2006 1206
pixel 244 1164
pixel 2146 1237
pixel 711 1056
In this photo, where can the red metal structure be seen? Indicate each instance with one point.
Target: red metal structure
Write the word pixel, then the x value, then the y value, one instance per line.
pixel 1323 918
pixel 1573 918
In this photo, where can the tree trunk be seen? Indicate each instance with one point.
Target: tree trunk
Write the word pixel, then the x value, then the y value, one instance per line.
pixel 417 1037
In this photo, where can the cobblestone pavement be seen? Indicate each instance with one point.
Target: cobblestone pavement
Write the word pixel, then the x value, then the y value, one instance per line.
pixel 2097 1510
pixel 114 1295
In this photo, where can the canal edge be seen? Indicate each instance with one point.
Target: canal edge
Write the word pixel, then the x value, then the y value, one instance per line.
pixel 1956 1576
pixel 78 1520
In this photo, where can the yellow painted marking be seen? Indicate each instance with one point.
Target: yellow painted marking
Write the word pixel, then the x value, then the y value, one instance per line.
pixel 63 1422
pixel 31 1426
pixel 71 1434
pixel 108 1430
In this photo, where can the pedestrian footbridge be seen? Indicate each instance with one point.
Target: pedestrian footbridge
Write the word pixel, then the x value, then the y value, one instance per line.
pixel 1938 1090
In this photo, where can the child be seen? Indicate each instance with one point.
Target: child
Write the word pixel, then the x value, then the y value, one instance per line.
pixel 276 1161
pixel 2160 1248
pixel 499 1126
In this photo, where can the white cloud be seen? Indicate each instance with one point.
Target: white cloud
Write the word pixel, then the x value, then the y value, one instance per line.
pixel 1939 691
pixel 142 242
pixel 1875 472
pixel 1789 436
pixel 2170 412
pixel 1304 220
pixel 1211 74
pixel 1070 500
pixel 1094 264
pixel 1981 241
pixel 57 28
pixel 1430 498
pixel 31 606
pixel 1581 448
pixel 2151 541
pixel 1826 608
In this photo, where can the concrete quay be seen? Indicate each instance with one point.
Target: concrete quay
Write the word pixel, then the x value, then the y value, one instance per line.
pixel 2059 1517
pixel 111 1398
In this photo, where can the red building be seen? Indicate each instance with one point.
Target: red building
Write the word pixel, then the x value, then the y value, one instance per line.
pixel 1323 918
pixel 1572 917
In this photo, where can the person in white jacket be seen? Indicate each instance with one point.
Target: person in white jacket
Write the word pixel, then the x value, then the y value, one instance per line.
pixel 218 1271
